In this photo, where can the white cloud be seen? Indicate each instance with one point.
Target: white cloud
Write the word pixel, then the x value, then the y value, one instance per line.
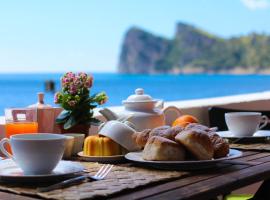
pixel 256 4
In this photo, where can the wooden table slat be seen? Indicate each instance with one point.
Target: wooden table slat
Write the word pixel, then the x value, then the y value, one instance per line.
pixel 203 183
pixel 10 196
pixel 151 190
pixel 220 184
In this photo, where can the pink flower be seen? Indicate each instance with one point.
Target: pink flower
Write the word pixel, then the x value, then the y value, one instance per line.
pixel 103 101
pixel 70 75
pixel 72 103
pixel 77 82
pixel 64 81
pixel 101 98
pixel 82 75
pixel 89 82
pixel 72 89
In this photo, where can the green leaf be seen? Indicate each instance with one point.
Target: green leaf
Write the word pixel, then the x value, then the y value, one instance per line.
pixel 62 117
pixel 70 123
pixel 92 106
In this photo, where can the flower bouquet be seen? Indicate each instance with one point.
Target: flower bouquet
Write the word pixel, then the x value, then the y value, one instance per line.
pixel 76 101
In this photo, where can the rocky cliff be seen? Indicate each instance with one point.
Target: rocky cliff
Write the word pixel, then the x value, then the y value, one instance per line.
pixel 193 50
pixel 142 51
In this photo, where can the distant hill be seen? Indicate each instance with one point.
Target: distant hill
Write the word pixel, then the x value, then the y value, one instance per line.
pixel 193 51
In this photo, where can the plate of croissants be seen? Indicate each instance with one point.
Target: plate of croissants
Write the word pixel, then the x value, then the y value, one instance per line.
pixel 194 147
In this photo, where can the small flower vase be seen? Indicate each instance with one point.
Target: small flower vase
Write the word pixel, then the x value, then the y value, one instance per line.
pixel 80 128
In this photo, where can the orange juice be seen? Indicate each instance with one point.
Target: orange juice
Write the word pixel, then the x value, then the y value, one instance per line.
pixel 13 128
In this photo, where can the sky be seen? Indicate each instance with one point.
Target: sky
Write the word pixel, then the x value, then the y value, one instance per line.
pixel 86 35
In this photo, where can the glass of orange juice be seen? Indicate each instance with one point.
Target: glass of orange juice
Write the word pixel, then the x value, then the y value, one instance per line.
pixel 20 120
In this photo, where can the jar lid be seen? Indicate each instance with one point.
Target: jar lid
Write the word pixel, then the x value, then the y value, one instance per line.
pixel 139 96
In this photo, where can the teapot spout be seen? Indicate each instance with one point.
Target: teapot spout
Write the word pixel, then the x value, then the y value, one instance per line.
pixel 108 114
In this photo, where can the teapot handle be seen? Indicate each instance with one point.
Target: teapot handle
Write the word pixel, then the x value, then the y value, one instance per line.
pixel 171 113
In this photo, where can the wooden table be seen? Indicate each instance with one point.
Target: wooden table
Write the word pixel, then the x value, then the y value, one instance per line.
pixel 199 185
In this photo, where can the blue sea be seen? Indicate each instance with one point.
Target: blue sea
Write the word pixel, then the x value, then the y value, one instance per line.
pixel 18 90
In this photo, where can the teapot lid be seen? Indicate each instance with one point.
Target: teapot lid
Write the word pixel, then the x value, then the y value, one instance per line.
pixel 139 96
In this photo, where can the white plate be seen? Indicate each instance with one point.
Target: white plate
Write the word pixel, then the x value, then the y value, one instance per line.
pixel 187 165
pixel 103 159
pixel 258 134
pixel 9 171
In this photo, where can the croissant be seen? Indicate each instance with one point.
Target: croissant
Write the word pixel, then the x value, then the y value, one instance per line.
pixel 166 132
pixel 197 142
pixel 141 137
pixel 163 131
pixel 221 146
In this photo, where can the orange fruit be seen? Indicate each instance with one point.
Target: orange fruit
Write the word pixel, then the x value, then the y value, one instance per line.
pixel 184 120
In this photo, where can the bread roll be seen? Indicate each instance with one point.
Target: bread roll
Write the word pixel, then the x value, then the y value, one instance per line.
pixel 141 137
pixel 158 130
pixel 166 132
pixel 197 142
pixel 163 131
pixel 221 146
pixel 196 126
pixel 162 149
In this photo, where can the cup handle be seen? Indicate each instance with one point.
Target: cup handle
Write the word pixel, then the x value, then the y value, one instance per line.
pixel 2 147
pixel 264 121
pixel 171 113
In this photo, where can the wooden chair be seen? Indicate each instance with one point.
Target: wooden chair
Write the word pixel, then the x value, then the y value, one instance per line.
pixel 217 119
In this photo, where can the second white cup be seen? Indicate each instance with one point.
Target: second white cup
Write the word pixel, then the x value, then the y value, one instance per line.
pixel 245 123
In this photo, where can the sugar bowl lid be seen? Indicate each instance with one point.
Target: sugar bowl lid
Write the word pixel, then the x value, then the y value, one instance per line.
pixel 139 96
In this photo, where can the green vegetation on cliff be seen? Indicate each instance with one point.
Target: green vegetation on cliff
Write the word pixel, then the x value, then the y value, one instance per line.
pixel 193 50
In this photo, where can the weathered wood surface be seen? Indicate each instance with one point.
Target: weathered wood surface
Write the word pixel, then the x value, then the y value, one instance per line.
pixel 203 184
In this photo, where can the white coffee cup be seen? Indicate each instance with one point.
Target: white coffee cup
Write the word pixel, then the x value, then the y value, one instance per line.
pixel 245 123
pixel 35 154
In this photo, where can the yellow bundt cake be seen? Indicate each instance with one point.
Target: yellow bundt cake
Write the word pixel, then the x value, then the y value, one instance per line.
pixel 97 145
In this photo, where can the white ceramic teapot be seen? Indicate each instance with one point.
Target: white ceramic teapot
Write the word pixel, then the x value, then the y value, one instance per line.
pixel 145 112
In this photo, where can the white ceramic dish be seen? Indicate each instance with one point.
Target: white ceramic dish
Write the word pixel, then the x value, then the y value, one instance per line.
pixel 258 134
pixel 10 172
pixel 121 133
pixel 102 159
pixel 186 165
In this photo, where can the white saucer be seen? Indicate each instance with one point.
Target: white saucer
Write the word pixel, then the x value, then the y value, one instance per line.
pixel 9 171
pixel 103 159
pixel 184 165
pixel 258 134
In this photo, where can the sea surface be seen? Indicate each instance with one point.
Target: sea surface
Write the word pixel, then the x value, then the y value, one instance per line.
pixel 19 90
